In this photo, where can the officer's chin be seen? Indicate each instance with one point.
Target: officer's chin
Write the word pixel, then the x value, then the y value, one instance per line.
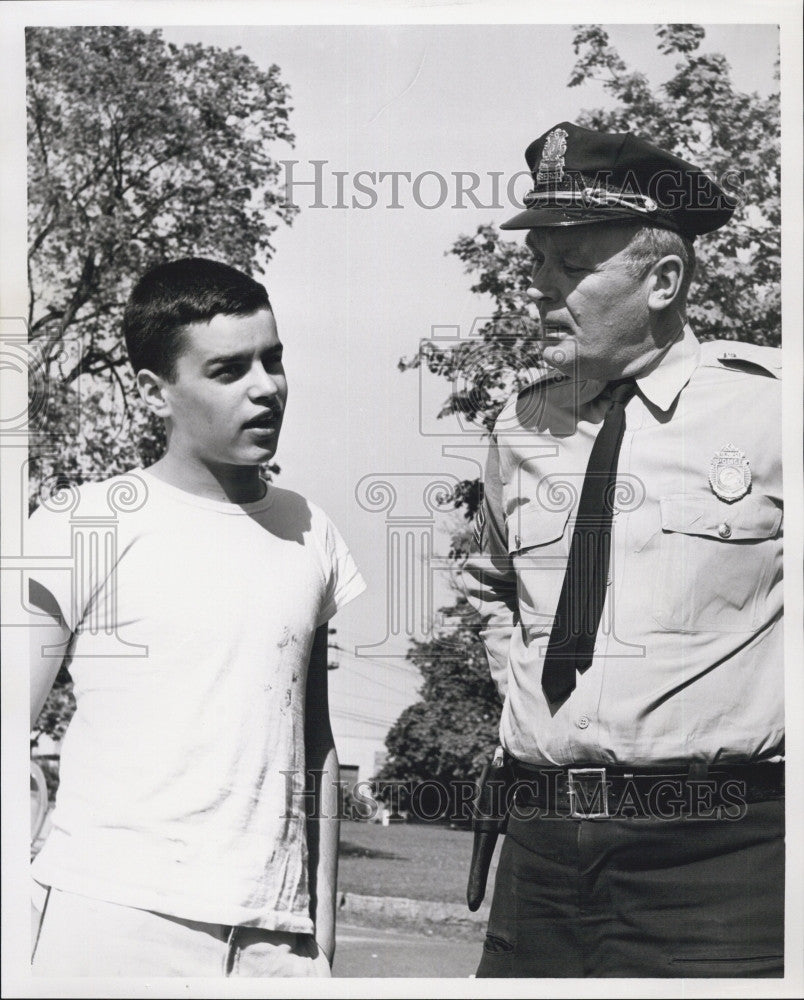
pixel 561 353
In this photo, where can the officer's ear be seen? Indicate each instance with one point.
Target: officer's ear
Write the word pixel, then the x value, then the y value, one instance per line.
pixel 664 282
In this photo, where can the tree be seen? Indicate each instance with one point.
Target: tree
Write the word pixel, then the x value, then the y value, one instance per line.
pixel 443 737
pixel 56 712
pixel 700 116
pixel 138 151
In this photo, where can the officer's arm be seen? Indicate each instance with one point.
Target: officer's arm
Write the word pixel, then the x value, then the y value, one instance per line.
pixel 489 580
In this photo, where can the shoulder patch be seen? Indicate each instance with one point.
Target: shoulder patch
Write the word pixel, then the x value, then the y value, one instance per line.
pixel 734 355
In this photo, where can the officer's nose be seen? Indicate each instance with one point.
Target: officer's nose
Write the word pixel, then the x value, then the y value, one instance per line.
pixel 539 291
pixel 542 285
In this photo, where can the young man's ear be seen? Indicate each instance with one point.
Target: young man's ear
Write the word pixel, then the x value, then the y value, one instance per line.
pixel 151 388
pixel 664 282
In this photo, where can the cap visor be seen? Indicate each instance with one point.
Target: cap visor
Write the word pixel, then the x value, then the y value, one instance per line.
pixel 534 218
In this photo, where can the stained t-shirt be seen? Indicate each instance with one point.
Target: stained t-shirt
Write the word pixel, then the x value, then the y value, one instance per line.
pixel 183 766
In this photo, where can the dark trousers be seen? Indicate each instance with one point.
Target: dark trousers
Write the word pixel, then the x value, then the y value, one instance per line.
pixel 640 897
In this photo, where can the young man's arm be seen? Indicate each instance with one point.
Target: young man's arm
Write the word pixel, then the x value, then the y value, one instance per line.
pixel 323 825
pixel 48 640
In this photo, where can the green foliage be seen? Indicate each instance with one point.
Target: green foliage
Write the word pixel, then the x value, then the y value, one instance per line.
pixel 736 137
pixel 700 116
pixel 484 374
pixel 445 734
pixel 56 712
pixel 138 152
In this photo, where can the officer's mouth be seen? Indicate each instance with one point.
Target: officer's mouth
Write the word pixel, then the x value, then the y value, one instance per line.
pixel 554 332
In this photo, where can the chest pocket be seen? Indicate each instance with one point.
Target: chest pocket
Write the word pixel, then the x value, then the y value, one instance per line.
pixel 717 563
pixel 538 545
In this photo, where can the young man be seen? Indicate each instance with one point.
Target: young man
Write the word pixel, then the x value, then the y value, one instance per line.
pixel 630 587
pixel 187 839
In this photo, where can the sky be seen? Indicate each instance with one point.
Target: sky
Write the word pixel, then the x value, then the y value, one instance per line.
pixel 354 289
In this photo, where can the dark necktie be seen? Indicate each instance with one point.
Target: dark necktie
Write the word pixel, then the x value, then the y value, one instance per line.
pixel 583 593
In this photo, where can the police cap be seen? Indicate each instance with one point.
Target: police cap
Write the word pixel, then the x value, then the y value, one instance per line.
pixel 582 176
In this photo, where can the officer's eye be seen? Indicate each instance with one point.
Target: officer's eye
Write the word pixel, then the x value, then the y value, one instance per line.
pixel 228 373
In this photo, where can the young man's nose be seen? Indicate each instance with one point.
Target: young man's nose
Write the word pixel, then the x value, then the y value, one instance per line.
pixel 262 383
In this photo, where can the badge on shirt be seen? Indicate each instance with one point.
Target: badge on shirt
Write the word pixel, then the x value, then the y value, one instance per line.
pixel 729 474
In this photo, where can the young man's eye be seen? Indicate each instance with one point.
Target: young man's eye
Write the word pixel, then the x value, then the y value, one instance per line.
pixel 272 359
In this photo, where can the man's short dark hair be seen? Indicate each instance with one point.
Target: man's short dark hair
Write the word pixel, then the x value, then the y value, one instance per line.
pixel 171 296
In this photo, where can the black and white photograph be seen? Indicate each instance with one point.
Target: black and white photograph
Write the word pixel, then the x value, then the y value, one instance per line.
pixel 401 450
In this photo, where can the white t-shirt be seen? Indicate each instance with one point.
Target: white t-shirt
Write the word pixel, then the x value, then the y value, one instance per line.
pixel 182 768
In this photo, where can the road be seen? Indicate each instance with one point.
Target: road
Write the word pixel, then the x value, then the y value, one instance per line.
pixel 380 952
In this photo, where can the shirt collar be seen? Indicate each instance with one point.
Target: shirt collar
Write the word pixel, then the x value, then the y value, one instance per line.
pixel 662 385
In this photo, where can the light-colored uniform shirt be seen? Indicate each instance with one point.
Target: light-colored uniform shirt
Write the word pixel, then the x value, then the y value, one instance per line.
pixel 182 770
pixel 688 656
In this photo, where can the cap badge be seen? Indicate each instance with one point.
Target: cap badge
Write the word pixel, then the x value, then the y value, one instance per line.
pixel 551 165
pixel 729 474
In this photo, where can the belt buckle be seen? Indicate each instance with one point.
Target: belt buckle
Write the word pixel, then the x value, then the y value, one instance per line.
pixel 579 780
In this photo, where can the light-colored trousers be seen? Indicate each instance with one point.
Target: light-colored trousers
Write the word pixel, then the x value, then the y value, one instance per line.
pixel 79 936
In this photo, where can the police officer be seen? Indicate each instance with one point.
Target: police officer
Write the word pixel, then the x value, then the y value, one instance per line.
pixel 629 582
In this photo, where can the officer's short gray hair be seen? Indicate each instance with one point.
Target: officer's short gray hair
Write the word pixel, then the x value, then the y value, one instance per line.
pixel 650 243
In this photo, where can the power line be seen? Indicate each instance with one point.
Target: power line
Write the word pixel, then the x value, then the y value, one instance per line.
pixel 382 700
pixel 409 671
pixel 373 680
pixel 354 736
pixel 370 720
pixel 363 716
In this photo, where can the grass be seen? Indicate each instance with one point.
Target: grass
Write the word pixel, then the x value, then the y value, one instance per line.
pixel 413 860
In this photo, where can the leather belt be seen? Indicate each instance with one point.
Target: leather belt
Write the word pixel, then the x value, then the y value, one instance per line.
pixel 621 792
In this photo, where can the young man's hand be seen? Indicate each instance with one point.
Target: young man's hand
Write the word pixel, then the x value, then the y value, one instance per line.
pixel 326 942
pixel 323 775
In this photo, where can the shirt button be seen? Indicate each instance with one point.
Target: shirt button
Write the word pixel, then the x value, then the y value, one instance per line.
pixel 517 541
pixel 724 530
pixel 583 722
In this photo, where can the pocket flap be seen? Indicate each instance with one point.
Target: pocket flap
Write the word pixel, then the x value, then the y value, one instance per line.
pixel 751 517
pixel 533 525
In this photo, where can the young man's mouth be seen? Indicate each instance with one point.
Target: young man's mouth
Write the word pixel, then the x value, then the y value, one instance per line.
pixel 265 421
